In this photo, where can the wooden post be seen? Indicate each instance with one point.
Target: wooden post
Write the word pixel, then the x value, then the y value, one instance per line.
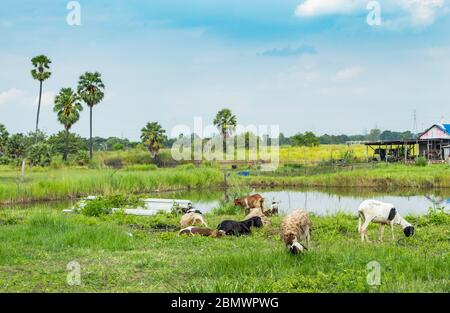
pixel 22 171
pixel 367 154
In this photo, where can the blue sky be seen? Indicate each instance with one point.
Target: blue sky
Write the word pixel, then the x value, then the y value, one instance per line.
pixel 304 65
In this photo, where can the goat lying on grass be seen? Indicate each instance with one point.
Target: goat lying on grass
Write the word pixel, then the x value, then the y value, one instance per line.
pixel 192 217
pixel 240 228
pixel 381 213
pixel 258 212
pixel 295 227
pixel 192 230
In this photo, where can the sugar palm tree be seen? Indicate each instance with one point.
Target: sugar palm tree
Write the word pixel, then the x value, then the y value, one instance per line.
pixel 40 72
pixel 153 136
pixel 90 89
pixel 67 107
pixel 225 122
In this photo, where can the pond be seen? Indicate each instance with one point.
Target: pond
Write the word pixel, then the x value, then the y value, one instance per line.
pixel 319 201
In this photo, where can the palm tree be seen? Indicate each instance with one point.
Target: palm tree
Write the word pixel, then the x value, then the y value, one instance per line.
pixel 40 73
pixel 153 136
pixel 67 107
pixel 90 89
pixel 225 121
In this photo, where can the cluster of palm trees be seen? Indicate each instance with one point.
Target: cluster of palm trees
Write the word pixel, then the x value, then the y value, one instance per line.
pixel 153 135
pixel 90 90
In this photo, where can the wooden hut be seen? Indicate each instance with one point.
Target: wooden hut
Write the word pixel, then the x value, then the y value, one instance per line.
pixel 431 144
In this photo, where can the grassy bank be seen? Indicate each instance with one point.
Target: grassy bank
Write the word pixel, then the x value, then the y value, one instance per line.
pixel 125 253
pixel 66 183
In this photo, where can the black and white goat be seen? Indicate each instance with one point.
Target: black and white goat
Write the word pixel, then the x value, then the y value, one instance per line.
pixel 381 213
pixel 236 228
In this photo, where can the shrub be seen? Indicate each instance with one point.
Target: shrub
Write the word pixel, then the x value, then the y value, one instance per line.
pixel 103 205
pixel 227 208
pixel 40 154
pixel 421 161
pixel 82 158
pixel 438 216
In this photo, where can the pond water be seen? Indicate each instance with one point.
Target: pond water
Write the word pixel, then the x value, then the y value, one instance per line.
pixel 318 201
pixel 321 202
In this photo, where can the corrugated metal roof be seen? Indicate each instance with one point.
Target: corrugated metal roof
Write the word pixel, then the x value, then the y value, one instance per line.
pixel 446 127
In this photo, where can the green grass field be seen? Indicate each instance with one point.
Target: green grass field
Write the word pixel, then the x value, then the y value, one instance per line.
pixel 120 253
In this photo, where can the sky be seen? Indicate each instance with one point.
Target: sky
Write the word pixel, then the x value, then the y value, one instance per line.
pixel 305 65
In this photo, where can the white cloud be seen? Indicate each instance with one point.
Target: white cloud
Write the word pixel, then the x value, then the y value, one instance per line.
pixel 348 73
pixel 411 12
pixel 324 7
pixel 12 95
pixel 48 98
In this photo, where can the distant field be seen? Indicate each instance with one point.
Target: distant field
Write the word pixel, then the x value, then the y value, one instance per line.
pixel 288 154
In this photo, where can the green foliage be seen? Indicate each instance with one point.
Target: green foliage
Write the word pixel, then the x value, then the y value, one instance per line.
pixel 140 167
pixel 421 161
pixel 16 147
pixel 90 88
pixel 41 64
pixel 117 146
pixel 103 205
pixel 153 136
pixel 75 142
pixel 227 208
pixel 82 158
pixel 40 154
pixel 307 139
pixel 438 216
pixel 4 135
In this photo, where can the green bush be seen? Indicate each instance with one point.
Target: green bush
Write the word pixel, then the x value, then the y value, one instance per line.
pixel 421 161
pixel 82 158
pixel 103 205
pixel 40 154
pixel 227 208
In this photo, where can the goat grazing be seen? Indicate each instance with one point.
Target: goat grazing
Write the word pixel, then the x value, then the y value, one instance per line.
pixel 250 202
pixel 192 230
pixel 381 213
pixel 295 227
pixel 240 228
pixel 192 218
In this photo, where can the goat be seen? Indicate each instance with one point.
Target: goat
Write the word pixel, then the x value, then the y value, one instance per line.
pixel 295 227
pixel 381 213
pixel 192 230
pixel 192 218
pixel 240 228
pixel 258 212
pixel 250 202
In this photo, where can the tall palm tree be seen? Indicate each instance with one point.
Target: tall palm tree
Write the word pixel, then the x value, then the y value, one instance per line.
pixel 67 107
pixel 225 122
pixel 90 89
pixel 153 136
pixel 40 73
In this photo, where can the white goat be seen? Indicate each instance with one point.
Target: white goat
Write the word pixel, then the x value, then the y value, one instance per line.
pixel 380 213
pixel 192 217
